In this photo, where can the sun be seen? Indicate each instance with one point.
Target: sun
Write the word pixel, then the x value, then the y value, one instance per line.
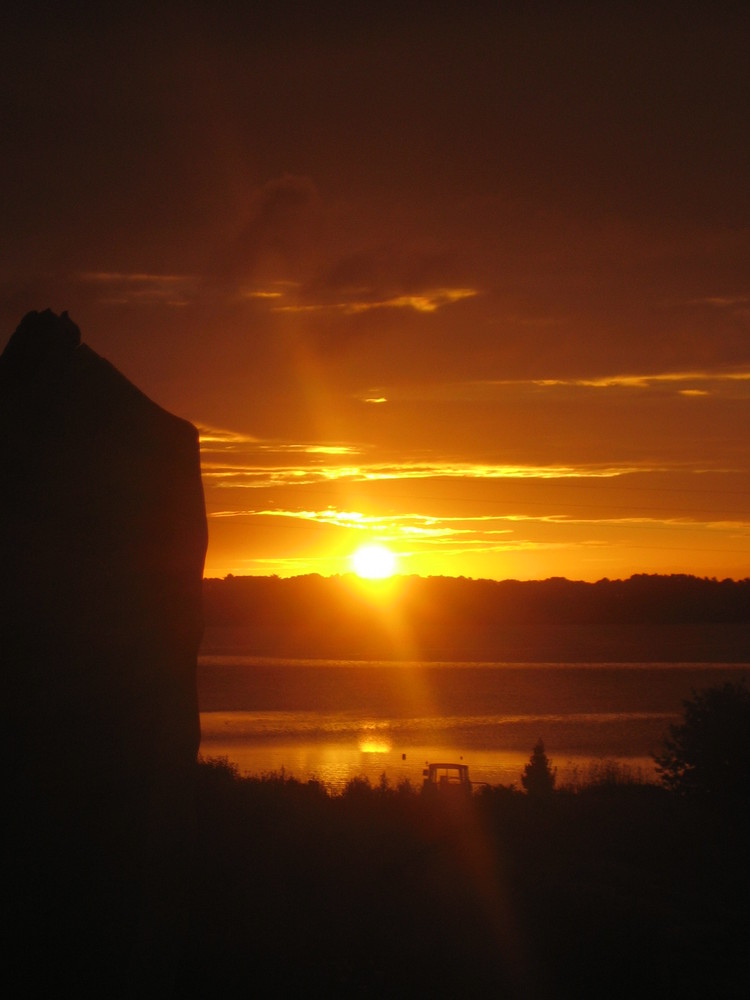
pixel 374 562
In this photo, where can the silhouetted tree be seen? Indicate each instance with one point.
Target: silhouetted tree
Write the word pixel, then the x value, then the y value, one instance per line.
pixel 538 776
pixel 709 753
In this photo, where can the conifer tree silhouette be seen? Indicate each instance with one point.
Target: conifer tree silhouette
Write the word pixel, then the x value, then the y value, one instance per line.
pixel 538 776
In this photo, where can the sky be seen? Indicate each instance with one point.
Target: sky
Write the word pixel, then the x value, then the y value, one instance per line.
pixel 470 281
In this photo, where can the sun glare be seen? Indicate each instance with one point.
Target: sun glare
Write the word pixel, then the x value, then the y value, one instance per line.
pixel 374 562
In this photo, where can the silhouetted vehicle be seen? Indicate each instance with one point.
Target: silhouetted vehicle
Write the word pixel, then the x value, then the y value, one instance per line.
pixel 446 779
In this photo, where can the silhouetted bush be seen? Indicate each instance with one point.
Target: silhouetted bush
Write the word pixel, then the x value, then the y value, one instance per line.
pixel 358 787
pixel 604 775
pixel 708 754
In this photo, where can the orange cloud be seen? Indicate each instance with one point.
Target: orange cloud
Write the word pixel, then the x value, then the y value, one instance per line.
pixel 425 302
pixel 260 476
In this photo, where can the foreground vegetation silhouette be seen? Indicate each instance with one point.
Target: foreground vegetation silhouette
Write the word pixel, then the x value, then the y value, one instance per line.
pixel 607 886
pixel 708 754
pixel 616 888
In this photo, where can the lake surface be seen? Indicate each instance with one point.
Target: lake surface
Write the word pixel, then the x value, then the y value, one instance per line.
pixel 334 719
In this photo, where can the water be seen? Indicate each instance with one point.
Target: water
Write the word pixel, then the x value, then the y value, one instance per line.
pixel 334 720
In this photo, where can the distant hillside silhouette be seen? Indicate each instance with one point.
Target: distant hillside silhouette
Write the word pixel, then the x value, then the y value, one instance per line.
pixel 650 618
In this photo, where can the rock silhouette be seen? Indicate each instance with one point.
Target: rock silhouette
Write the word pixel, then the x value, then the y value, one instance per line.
pixel 102 542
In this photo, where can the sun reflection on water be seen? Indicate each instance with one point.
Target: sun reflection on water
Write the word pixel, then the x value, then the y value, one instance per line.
pixel 374 739
pixel 370 744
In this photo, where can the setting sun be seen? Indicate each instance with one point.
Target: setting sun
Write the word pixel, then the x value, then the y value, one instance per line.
pixel 374 562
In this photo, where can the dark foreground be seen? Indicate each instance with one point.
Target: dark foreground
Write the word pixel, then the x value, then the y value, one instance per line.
pixel 618 891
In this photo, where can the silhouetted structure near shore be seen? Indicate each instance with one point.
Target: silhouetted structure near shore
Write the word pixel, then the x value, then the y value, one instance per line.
pixel 102 541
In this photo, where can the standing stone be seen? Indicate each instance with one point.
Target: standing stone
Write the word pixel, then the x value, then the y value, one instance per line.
pixel 102 542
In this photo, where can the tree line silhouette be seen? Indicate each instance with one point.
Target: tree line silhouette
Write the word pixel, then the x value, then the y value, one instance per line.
pixel 645 617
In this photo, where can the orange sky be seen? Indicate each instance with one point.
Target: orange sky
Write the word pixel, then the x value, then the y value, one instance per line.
pixel 474 285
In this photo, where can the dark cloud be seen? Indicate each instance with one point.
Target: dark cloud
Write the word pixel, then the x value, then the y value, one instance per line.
pixel 385 272
pixel 275 233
